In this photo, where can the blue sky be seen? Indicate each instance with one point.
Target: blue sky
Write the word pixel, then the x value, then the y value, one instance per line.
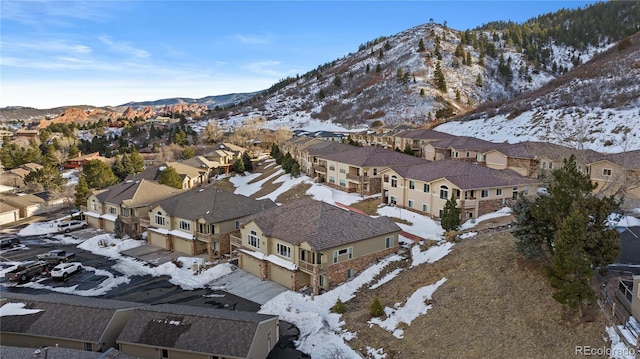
pixel 55 53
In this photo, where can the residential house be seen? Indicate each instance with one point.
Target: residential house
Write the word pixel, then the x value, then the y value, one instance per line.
pixel 27 204
pixel 199 221
pixel 477 189
pixel 80 160
pixel 531 159
pixel 129 201
pixel 417 139
pixel 617 174
pixel 179 331
pixel 458 148
pixel 628 294
pixel 208 168
pixel 10 352
pixel 307 151
pixel 15 177
pixel 357 170
pixel 8 213
pixel 312 243
pixel 225 158
pixel 27 133
pixel 67 321
pixel 189 175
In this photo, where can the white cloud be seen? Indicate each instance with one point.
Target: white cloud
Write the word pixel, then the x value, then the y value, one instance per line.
pixel 124 47
pixel 252 39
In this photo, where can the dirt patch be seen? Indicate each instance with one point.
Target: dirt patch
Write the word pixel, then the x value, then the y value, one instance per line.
pixel 370 206
pixel 494 304
pixel 296 192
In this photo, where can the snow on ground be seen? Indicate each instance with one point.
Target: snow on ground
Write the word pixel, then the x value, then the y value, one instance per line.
pixel 40 228
pixel 333 196
pixel 432 254
pixel 618 349
pixel 412 308
pixel 506 211
pixel 628 221
pixel 288 182
pixel 9 309
pixel 387 278
pixel 421 226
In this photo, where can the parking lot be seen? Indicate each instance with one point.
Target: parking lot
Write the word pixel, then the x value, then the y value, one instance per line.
pixel 100 276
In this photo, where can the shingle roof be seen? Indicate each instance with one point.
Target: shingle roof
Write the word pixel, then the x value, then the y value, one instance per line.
pixel 424 134
pixel 62 316
pixel 371 156
pixel 204 330
pixel 629 159
pixel 532 149
pixel 212 204
pixel 22 200
pixel 136 193
pixel 463 174
pixel 201 162
pixel 320 224
pixel 465 143
pixel 328 147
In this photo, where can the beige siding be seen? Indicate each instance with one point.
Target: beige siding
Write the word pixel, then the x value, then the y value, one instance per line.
pixel 281 275
pixel 182 245
pixel 635 303
pixel 264 340
pixel 157 239
pixel 250 264
pixel 496 160
pixel 93 221
pixel 246 230
pixel 109 226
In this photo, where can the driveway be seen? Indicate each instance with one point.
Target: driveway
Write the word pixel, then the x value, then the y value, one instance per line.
pixel 247 286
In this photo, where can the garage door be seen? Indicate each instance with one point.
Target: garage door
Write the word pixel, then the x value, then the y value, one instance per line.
pixel 157 239
pixel 280 275
pixel 250 264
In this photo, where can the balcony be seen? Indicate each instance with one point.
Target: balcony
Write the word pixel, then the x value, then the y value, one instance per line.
pixel 357 179
pixel 204 237
pixel 236 241
pixel 126 220
pixel 144 222
pixel 320 169
pixel 308 267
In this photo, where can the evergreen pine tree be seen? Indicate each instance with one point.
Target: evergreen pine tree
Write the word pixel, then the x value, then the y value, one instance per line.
pixel 170 177
pixel 421 46
pixel 438 77
pixel 295 169
pixel 375 308
pixel 239 166
pixel 378 68
pixel 450 220
pixel 407 149
pixel 82 192
pixel 479 80
pixel 246 159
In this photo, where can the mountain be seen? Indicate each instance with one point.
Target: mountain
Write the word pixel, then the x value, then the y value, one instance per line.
pixel 209 101
pixel 432 74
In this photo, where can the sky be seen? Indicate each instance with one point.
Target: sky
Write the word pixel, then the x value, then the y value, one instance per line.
pixel 107 53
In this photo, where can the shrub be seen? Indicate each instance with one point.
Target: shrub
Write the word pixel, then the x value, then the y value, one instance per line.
pixel 375 308
pixel 339 307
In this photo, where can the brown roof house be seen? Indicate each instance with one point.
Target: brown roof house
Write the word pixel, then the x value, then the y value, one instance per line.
pixel 27 204
pixel 189 175
pixel 178 331
pixel 15 177
pixel 617 174
pixel 477 189
pixel 458 148
pixel 80 160
pixel 129 201
pixel 199 221
pixel 417 139
pixel 312 243
pixel 67 321
pixel 308 151
pixel 357 170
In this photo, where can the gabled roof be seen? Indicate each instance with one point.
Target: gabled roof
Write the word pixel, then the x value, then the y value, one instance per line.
pixel 424 134
pixel 328 147
pixel 532 150
pixel 320 224
pixel 32 166
pixel 201 162
pixel 629 159
pixel 464 175
pixel 62 316
pixel 152 173
pixel 204 330
pixel 372 156
pixel 213 205
pixel 184 169
pixel 136 193
pixel 465 143
pixel 21 200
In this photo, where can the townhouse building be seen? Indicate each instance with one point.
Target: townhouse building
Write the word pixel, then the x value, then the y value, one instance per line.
pixel 478 190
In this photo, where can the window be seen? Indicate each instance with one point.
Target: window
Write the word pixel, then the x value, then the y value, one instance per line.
pixel 165 353
pixel 283 250
pixel 410 203
pixel 484 193
pixel 237 225
pixel 444 192
pixel 342 169
pixel 253 239
pixel 454 154
pixel 412 185
pixel 159 219
pixel 440 212
pixel 470 194
pixel 514 195
pixel 350 273
pixel 394 181
pixel 388 242
pixel 332 179
pixel 124 212
pixel 321 281
pixel 343 183
pixel 606 172
pixel 386 179
pixel 499 192
pixel 184 225
pixel 332 167
pixel 425 208
pixel 468 154
pixel 544 165
pixel 88 347
pixel 550 165
pixel 95 206
pixel 375 171
pixel 112 210
pixel 393 200
pixel 426 188
pixel 342 252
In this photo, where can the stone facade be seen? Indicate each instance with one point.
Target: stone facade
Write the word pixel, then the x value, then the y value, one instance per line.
pixel 492 205
pixel 338 273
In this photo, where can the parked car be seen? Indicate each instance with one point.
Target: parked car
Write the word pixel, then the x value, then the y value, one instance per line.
pixel 56 256
pixel 66 227
pixel 64 270
pixel 9 242
pixel 26 270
